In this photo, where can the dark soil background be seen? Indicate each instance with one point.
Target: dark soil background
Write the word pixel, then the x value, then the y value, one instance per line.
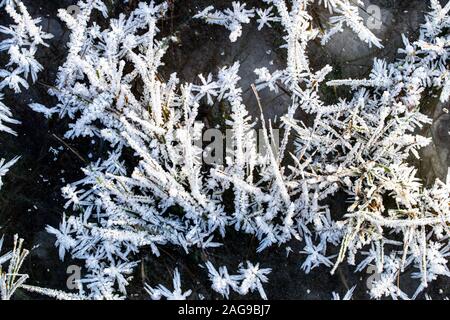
pixel 31 197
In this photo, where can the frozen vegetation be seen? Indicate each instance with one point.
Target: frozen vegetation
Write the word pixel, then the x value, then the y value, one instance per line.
pixel 150 187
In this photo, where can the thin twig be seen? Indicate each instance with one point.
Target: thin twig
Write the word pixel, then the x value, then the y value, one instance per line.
pixel 70 148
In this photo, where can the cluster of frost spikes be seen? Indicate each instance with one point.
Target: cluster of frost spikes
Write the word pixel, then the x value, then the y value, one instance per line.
pixel 21 43
pixel 24 38
pixel 362 146
pixel 348 295
pixel 346 14
pixel 114 201
pixel 248 280
pixel 162 291
pixel 11 279
pixel 230 19
pixel 359 146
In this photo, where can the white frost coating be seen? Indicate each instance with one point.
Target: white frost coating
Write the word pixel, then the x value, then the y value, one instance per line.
pixel 357 146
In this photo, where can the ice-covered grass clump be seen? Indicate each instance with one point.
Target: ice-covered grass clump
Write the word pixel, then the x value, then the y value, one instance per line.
pixel 110 88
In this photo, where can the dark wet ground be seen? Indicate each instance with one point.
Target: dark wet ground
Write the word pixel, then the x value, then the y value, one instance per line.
pixel 31 198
